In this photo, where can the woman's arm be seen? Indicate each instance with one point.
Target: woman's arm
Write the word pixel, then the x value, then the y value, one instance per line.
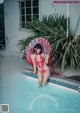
pixel 34 65
pixel 46 59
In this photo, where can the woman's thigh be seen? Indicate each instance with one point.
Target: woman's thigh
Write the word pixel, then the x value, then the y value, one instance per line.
pixel 40 76
pixel 46 75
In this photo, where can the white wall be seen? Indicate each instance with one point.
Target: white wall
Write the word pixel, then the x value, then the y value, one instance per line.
pixel 12 20
pixel 74 10
pixel 12 25
pixel 47 8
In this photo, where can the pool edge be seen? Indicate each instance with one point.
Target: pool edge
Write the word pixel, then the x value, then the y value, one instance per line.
pixel 57 81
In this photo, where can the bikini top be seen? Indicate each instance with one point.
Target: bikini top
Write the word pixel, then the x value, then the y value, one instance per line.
pixel 40 63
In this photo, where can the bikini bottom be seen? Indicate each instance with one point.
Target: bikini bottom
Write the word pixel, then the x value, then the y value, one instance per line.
pixel 43 71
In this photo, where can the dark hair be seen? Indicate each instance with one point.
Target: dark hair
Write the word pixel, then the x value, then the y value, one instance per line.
pixel 38 46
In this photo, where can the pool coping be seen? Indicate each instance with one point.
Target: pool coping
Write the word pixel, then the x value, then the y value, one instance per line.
pixel 59 81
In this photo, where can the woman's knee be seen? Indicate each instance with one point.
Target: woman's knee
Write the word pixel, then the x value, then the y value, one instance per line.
pixel 40 78
pixel 46 77
pixel 47 74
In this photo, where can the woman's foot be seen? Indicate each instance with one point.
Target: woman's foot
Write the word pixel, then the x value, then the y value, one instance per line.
pixel 43 84
pixel 40 85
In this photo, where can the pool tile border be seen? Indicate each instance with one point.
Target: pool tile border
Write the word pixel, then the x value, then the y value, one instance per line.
pixel 58 82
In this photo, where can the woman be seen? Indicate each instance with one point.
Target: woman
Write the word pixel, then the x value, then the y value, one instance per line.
pixel 40 61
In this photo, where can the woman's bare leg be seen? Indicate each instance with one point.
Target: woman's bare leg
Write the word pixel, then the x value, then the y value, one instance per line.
pixel 46 77
pixel 40 78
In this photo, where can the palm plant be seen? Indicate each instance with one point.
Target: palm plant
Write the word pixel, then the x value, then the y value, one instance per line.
pixel 65 50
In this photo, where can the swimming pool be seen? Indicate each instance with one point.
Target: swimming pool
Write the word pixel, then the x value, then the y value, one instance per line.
pixel 24 96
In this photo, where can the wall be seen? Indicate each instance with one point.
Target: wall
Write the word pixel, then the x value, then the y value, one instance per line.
pixel 74 12
pixel 13 33
pixel 48 7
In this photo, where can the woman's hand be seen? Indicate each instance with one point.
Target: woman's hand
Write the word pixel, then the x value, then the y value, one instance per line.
pixel 34 72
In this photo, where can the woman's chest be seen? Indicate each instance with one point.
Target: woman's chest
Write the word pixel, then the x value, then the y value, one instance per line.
pixel 39 58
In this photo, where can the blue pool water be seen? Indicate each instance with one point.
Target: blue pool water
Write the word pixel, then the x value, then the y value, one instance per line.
pixel 23 95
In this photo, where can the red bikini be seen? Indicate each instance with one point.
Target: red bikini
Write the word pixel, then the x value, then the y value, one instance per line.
pixel 40 64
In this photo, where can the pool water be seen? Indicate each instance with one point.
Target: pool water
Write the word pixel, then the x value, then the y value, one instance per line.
pixel 24 96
